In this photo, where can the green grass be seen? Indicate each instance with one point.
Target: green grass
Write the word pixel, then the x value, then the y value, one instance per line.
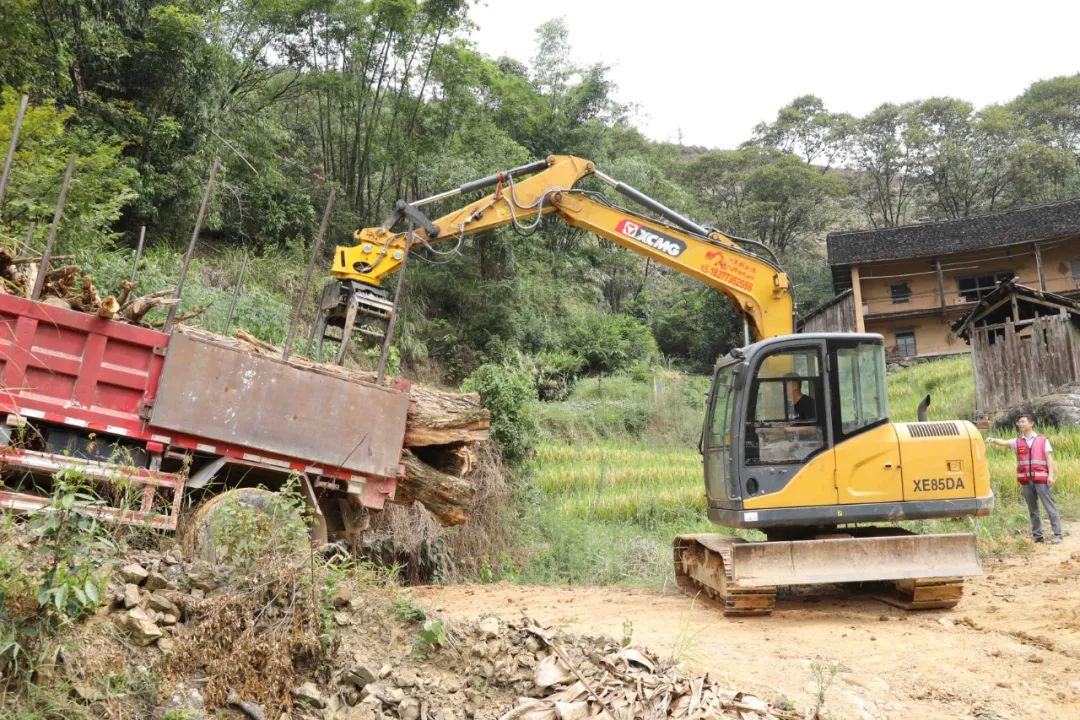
pixel 618 475
pixel 948 382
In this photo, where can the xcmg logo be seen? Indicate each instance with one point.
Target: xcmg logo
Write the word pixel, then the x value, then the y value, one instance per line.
pixel 664 243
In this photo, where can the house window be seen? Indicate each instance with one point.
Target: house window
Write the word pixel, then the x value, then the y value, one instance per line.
pixel 905 343
pixel 900 293
pixel 975 287
pixel 1076 270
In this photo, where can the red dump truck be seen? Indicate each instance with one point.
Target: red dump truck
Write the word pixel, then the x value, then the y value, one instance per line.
pixel 152 419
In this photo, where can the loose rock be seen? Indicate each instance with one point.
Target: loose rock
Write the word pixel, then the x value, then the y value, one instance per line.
pixel 309 694
pixel 140 627
pixel 133 573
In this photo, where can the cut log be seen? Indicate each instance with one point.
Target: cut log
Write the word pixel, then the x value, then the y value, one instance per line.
pixel 184 317
pixel 37 260
pixel 65 273
pixel 134 310
pixel 448 498
pixel 56 302
pixel 108 308
pixel 125 291
pixel 27 278
pixel 456 460
pixel 443 418
pixel 256 343
pixel 87 300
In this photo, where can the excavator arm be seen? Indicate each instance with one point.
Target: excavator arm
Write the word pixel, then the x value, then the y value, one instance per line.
pixel 756 286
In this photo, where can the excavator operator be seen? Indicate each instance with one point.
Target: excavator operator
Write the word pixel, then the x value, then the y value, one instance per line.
pixel 802 406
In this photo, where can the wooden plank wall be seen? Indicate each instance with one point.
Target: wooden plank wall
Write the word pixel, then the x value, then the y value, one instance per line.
pixel 839 317
pixel 1017 368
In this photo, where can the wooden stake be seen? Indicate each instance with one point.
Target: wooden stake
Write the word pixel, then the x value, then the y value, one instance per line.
pixel 191 246
pixel 44 268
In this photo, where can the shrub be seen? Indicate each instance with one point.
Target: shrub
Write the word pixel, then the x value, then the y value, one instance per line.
pixel 554 374
pixel 608 343
pixel 511 397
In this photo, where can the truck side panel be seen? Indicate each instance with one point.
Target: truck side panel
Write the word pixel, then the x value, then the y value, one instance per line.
pixel 76 369
pixel 260 402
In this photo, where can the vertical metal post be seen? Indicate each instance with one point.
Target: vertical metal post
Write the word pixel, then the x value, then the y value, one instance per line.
pixel 745 331
pixel 11 146
pixel 287 351
pixel 392 322
pixel 191 246
pixel 44 269
pixel 138 253
pixel 235 295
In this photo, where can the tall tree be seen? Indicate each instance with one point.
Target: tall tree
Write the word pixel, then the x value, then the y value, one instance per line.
pixel 805 128
pixel 888 178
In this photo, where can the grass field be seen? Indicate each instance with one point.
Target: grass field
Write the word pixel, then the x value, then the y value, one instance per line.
pixel 618 475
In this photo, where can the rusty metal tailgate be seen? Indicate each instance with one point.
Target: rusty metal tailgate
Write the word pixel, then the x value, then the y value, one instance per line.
pixel 233 396
pixel 854 559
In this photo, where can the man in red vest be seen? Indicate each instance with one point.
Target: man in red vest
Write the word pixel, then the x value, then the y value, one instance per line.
pixel 1035 473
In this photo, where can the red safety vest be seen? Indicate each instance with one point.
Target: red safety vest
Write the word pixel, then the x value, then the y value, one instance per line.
pixel 1031 463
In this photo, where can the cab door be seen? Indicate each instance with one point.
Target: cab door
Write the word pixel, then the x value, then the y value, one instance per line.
pixel 716 437
pixel 867 448
pixel 786 450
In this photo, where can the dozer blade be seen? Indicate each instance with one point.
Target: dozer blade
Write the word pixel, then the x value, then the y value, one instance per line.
pixel 854 559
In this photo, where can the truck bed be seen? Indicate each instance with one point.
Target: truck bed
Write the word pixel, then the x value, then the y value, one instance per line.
pixel 187 393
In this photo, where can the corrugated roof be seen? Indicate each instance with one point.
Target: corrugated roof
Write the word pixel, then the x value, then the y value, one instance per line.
pixel 1024 225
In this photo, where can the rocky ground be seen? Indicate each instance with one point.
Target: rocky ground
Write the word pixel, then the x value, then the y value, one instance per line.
pixel 1009 651
pixel 386 657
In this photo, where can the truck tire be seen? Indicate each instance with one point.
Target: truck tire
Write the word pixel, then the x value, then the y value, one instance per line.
pixel 197 537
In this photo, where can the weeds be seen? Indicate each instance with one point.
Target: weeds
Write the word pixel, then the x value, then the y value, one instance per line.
pixel 823 677
pixel 271 625
pixel 686 637
pixel 54 581
pixel 407 610
pixel 432 636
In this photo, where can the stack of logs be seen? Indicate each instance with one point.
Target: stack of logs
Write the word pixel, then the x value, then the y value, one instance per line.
pixel 66 286
pixel 439 435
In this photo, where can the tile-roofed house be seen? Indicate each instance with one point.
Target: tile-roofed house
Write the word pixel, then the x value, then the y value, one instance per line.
pixel 910 283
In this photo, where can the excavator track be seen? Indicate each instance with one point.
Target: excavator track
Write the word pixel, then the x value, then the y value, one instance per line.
pixel 703 566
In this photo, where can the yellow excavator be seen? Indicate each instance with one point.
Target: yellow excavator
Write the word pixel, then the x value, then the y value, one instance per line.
pixel 797 441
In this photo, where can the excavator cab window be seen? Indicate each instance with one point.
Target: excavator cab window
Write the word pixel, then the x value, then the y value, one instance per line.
pixel 860 386
pixel 785 420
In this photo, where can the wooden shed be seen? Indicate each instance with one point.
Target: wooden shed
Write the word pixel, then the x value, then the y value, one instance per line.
pixel 1024 344
pixel 836 315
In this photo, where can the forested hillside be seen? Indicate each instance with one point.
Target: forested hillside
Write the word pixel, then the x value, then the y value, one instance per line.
pixel 387 99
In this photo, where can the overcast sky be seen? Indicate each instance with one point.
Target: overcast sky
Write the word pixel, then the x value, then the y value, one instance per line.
pixel 712 70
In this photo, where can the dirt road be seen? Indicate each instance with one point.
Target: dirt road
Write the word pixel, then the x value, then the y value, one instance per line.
pixel 1011 649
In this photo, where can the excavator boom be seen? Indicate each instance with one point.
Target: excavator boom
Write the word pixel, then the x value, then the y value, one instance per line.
pixel 755 284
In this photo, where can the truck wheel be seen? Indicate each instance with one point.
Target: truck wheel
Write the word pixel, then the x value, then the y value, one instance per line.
pixel 197 540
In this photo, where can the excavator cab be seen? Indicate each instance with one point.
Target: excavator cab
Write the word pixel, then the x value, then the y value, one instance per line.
pixel 777 409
